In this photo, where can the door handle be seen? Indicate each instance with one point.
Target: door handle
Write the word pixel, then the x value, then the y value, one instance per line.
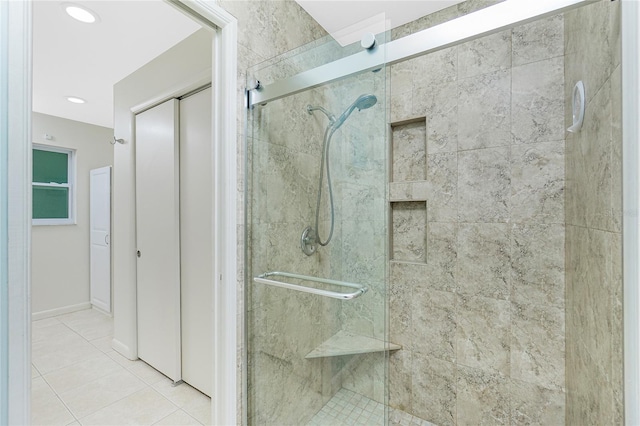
pixel 138 253
pixel 106 239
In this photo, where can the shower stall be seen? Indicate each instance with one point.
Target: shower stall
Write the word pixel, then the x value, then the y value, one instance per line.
pixel 426 243
pixel 317 302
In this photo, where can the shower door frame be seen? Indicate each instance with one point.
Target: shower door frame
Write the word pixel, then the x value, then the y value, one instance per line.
pixel 483 22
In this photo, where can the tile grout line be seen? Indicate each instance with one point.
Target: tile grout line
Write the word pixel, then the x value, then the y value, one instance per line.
pixel 79 335
pixel 171 414
pixel 61 400
pixel 127 396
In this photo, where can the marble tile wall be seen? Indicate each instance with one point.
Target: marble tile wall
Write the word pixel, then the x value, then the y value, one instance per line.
pixel 267 29
pixel 360 178
pixel 594 324
pixel 482 322
pixel 285 325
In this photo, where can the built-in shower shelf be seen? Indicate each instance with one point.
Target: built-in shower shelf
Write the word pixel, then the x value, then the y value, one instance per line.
pixel 345 343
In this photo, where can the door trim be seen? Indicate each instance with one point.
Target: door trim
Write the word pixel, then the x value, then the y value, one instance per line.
pixel 227 396
pixel 225 403
pixel 15 212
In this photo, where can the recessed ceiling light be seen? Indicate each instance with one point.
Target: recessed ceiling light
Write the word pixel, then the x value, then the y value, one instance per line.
pixel 76 100
pixel 80 13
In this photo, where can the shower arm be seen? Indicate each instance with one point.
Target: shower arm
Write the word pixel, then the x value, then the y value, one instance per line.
pixel 331 117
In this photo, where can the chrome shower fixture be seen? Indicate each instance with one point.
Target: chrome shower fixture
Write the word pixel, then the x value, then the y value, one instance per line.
pixel 311 108
pixel 310 239
pixel 363 102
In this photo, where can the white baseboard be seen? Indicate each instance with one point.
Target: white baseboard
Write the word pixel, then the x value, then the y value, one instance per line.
pixel 59 311
pixel 123 350
pixel 102 311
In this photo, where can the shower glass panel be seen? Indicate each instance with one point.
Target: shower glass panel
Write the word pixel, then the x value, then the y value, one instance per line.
pixel 316 264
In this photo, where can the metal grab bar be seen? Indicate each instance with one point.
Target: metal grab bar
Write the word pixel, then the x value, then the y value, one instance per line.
pixel 264 279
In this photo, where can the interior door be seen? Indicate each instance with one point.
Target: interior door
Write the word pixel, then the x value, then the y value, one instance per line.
pixel 158 238
pixel 100 236
pixel 195 235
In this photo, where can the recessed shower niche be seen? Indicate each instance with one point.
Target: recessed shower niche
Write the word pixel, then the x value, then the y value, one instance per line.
pixel 409 145
pixel 408 191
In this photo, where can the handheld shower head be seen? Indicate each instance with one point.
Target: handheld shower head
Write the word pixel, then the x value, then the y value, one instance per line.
pixel 363 102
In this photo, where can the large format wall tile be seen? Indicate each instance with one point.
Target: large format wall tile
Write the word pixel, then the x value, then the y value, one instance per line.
pixel 442 256
pixel 617 332
pixel 409 151
pixel 400 380
pixel 484 260
pixel 484 185
pixel 470 6
pixel 365 374
pixel 442 187
pixel 486 54
pixel 537 102
pixel 531 404
pixel 439 104
pixel 409 232
pixel 539 40
pixel 434 390
pixel 538 264
pixel 436 68
pixel 433 323
pixel 483 397
pixel 401 283
pixel 537 345
pixel 484 110
pixel 590 45
pixel 538 182
pixel 482 334
pixel 495 195
pixel 591 166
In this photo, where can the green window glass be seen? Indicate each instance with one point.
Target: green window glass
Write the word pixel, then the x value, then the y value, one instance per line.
pixel 51 190
pixel 50 203
pixel 50 166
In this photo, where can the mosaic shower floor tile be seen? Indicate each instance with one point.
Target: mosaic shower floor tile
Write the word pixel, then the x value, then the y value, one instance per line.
pixel 350 408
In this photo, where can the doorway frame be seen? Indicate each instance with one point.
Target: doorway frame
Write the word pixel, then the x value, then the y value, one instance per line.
pixel 224 82
pixel 15 208
pixel 225 398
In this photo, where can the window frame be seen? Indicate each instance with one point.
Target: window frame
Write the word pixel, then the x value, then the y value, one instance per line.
pixel 70 185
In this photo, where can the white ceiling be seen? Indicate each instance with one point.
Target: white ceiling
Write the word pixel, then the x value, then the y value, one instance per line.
pixel 85 60
pixel 347 20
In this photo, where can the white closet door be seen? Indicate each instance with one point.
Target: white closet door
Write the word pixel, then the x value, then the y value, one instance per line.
pixel 100 237
pixel 195 235
pixel 158 238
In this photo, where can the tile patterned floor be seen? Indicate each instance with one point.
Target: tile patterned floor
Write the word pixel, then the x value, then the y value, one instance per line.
pixel 350 408
pixel 77 379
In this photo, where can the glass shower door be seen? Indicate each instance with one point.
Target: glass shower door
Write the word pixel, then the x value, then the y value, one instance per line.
pixel 316 247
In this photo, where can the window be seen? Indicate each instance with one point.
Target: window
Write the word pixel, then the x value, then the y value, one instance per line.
pixel 52 187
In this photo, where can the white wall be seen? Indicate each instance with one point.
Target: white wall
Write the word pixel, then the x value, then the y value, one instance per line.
pixel 188 61
pixel 60 254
